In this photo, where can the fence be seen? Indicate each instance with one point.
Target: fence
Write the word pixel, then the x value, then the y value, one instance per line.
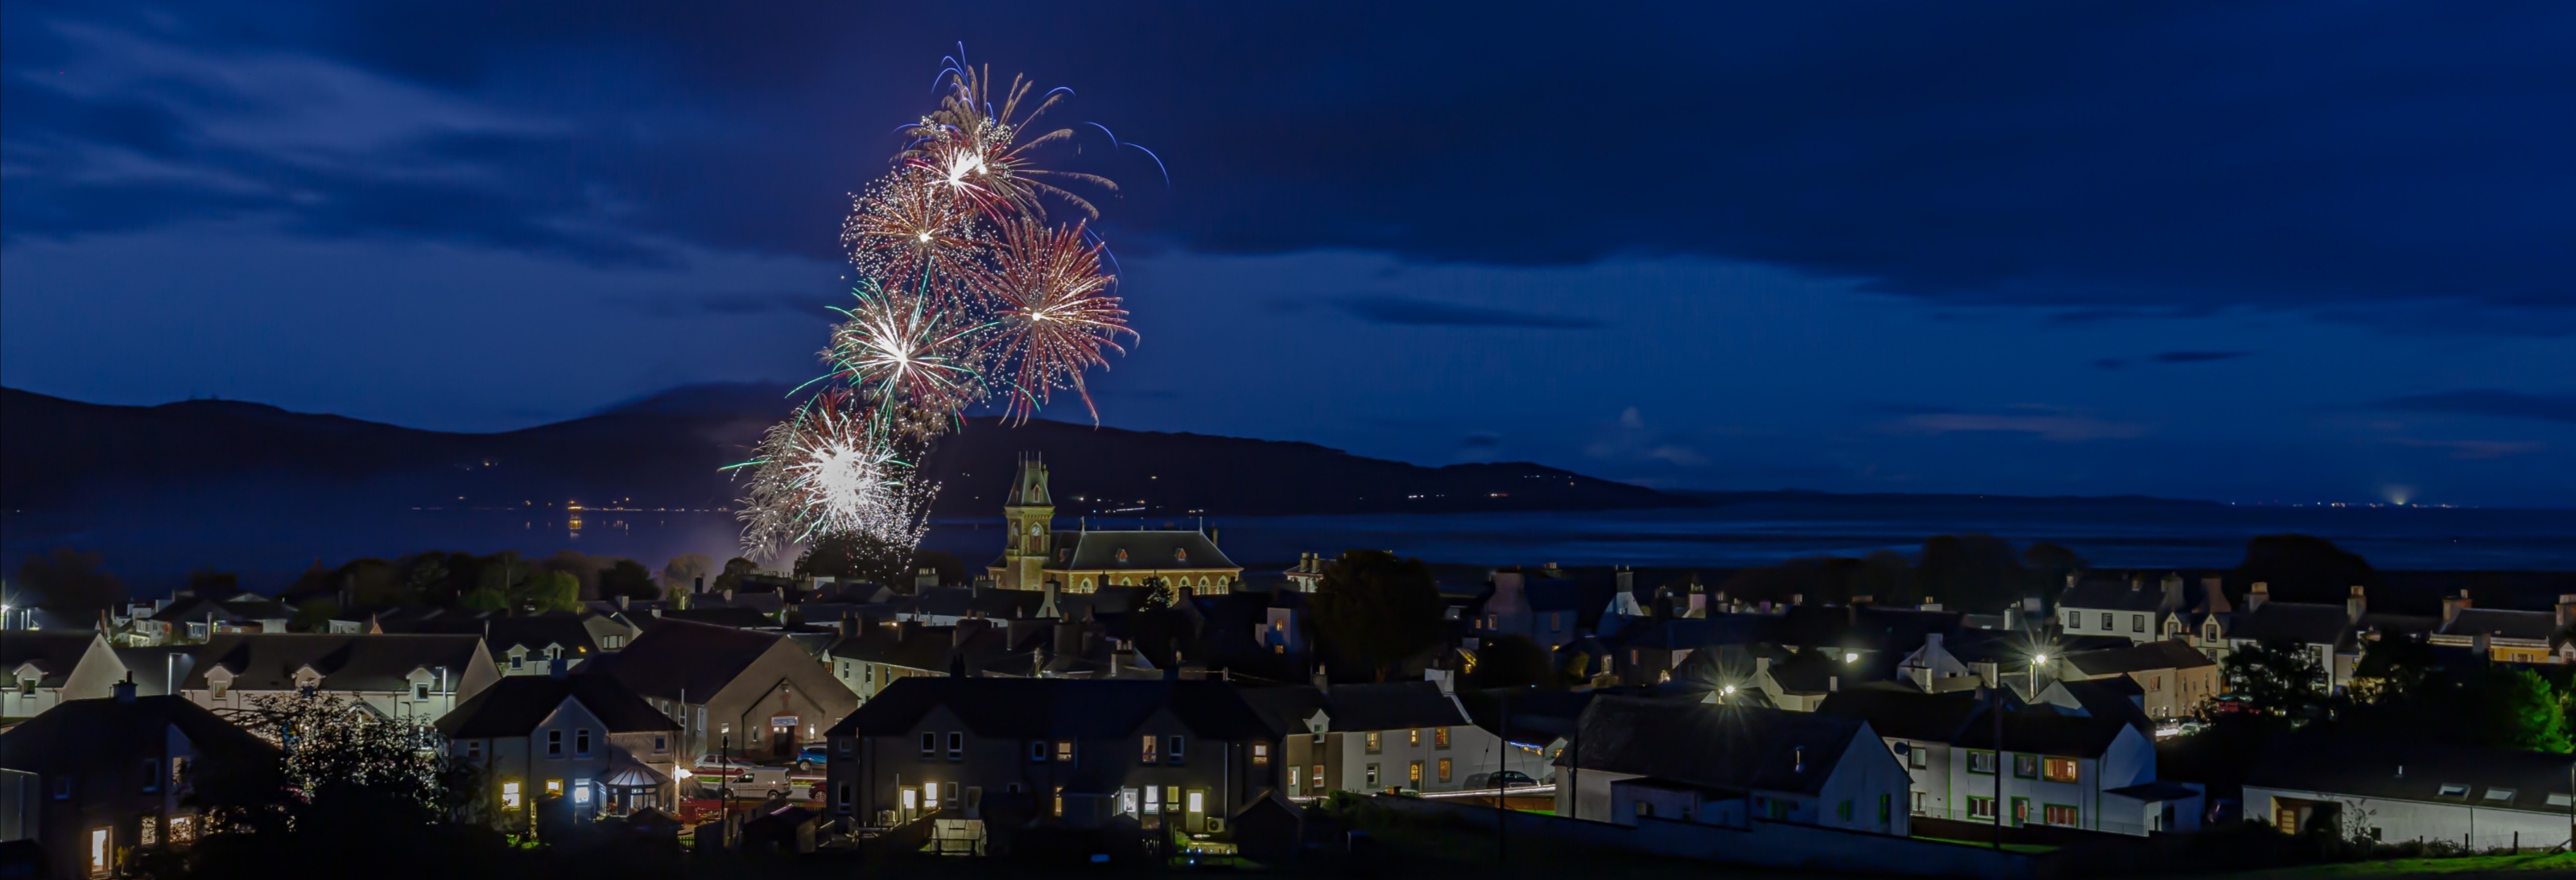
pixel 1765 844
pixel 2036 819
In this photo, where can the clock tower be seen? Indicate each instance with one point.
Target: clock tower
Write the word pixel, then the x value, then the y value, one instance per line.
pixel 1030 514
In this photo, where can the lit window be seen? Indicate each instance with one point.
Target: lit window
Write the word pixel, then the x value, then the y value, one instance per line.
pixel 2451 789
pixel 930 795
pixel 581 794
pixel 910 800
pixel 1261 754
pixel 1444 769
pixel 510 795
pixel 1413 737
pixel 1153 800
pixel 2503 795
pixel 1372 776
pixel 1413 774
pixel 2062 770
pixel 1440 737
pixel 1150 743
pixel 1196 802
pixel 1372 739
pixel 554 788
pixel 2058 814
pixel 1064 750
pixel 1295 775
pixel 183 830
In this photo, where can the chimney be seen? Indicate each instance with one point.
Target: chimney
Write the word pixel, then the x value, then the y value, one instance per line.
pixel 2566 610
pixel 1626 579
pixel 2259 594
pixel 1048 607
pixel 1212 538
pixel 125 689
pixel 2173 593
pixel 2451 606
pixel 2137 582
pixel 2212 597
pixel 702 585
pixel 2355 605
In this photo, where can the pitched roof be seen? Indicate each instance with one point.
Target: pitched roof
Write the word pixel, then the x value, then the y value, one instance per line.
pixel 516 704
pixel 673 657
pixel 53 653
pixel 2302 622
pixel 81 735
pixel 501 630
pixel 2042 730
pixel 2415 771
pixel 1390 706
pixel 2537 626
pixel 269 661
pixel 2114 594
pixel 1899 711
pixel 2138 658
pixel 1144 551
pixel 1059 708
pixel 1701 744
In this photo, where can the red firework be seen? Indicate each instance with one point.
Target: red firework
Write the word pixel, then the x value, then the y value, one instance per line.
pixel 1055 317
pixel 917 236
pixel 975 150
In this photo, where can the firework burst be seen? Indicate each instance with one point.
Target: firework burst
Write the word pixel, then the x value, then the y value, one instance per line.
pixel 965 291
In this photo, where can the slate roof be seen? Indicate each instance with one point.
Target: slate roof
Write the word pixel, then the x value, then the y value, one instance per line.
pixel 1354 707
pixel 80 736
pixel 936 648
pixel 2116 594
pixel 501 630
pixel 2042 730
pixel 2302 622
pixel 2539 626
pixel 735 618
pixel 2371 768
pixel 54 653
pixel 2117 699
pixel 2138 658
pixel 1060 708
pixel 1098 551
pixel 679 656
pixel 1899 711
pixel 1709 745
pixel 516 704
pixel 268 661
pixel 1700 632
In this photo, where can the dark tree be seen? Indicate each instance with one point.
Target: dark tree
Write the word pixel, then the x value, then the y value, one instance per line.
pixel 734 569
pixel 628 578
pixel 2300 568
pixel 213 584
pixel 2277 677
pixel 2045 568
pixel 1978 573
pixel 850 555
pixel 71 583
pixel 312 613
pixel 1513 661
pixel 1153 595
pixel 1379 610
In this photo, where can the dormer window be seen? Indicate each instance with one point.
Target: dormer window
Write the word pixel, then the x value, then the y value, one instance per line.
pixel 1180 554
pixel 1122 554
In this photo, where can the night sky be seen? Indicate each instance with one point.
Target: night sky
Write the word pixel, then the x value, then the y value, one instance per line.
pixel 2254 252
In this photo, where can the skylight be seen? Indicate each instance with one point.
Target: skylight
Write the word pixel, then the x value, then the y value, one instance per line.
pixel 2452 789
pixel 2500 794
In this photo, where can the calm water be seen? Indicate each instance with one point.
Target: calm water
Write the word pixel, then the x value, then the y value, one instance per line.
pixel 268 547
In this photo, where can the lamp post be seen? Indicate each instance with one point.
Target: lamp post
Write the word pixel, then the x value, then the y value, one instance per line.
pixel 2036 661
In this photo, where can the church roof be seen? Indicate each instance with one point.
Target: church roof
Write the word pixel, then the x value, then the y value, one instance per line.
pixel 1142 551
pixel 1029 485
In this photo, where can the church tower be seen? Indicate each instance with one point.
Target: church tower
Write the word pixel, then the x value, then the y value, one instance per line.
pixel 1030 514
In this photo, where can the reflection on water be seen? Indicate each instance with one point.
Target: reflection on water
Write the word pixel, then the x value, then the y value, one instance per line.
pixel 153 551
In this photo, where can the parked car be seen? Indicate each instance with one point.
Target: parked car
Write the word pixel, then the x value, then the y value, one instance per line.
pixel 1504 779
pixel 811 756
pixel 717 763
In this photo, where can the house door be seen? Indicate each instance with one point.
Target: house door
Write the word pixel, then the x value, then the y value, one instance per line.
pixel 102 857
pixel 1197 811
pixel 2021 811
pixel 2285 816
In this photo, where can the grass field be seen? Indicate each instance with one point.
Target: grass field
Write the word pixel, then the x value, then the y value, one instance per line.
pixel 2391 869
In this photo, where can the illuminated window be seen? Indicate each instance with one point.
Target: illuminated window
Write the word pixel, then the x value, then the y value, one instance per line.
pixel 930 795
pixel 1293 774
pixel 183 830
pixel 1413 737
pixel 1371 738
pixel 1153 800
pixel 1196 802
pixel 1440 737
pixel 910 800
pixel 1150 743
pixel 510 795
pixel 1372 776
pixel 1261 754
pixel 1413 774
pixel 554 788
pixel 581 794
pixel 1064 750
pixel 101 855
pixel 2058 814
pixel 1318 777
pixel 148 831
pixel 1444 769
pixel 2061 770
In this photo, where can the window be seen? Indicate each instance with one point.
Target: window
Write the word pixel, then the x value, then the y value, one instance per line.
pixel 1172 744
pixel 2502 795
pixel 1413 737
pixel 1295 775
pixel 62 788
pixel 581 743
pixel 841 797
pixel 1413 775
pixel 1198 802
pixel 846 745
pixel 1064 751
pixel 102 857
pixel 420 691
pixel 581 793
pixel 1318 777
pixel 1842 810
pixel 1981 808
pixel 554 743
pixel 509 795
pixel 956 745
pixel 1883 807
pixel 661 744
pixel 2026 766
pixel 554 787
pixel 1261 754
pixel 183 830
pixel 2057 814
pixel 179 773
pixel 2451 789
pixel 2106 621
pixel 1981 762
pixel 474 750
pixel 1149 756
pixel 1374 746
pixel 1153 800
pixel 1645 809
pixel 1372 777
pixel 930 795
pixel 2062 770
pixel 1444 769
pixel 1440 737
pixel 1918 757
pixel 1037 752
pixel 929 744
pixel 151 773
pixel 2138 623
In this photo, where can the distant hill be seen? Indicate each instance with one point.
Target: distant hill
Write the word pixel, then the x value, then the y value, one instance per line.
pixel 665 451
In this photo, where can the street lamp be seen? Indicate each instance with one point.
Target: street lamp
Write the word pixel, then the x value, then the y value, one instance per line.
pixel 2036 661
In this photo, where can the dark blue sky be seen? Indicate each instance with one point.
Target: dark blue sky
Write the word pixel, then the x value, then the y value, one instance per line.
pixel 2298 252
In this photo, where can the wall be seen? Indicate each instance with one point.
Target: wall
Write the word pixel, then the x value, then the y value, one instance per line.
pixel 1767 844
pixel 2399 820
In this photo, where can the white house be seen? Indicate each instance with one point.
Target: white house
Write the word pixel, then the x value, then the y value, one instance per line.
pixel 419 677
pixel 1718 764
pixel 2398 791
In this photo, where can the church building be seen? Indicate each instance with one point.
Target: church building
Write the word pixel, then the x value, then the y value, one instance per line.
pixel 1084 560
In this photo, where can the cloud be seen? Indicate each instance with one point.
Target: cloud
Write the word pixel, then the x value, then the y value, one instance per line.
pixel 2489 402
pixel 728 304
pixel 1482 440
pixel 1408 311
pixel 2047 427
pixel 2477 449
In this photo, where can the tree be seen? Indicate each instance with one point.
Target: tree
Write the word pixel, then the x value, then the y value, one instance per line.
pixel 1513 661
pixel 484 599
pixel 1971 572
pixel 681 574
pixel 2277 677
pixel 734 569
pixel 2523 712
pixel 1153 595
pixel 212 584
pixel 71 583
pixel 1379 610
pixel 628 578
pixel 552 591
pixel 313 613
